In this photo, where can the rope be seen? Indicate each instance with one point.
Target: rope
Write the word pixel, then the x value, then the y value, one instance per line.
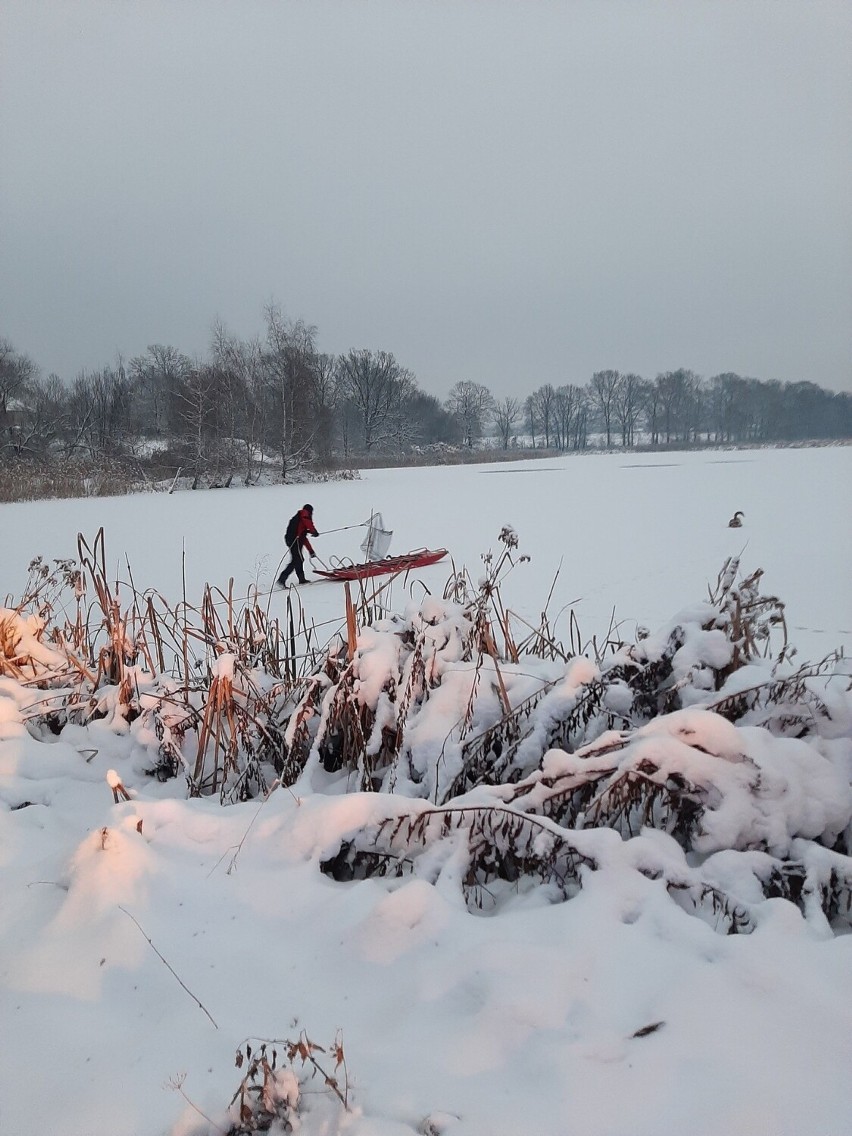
pixel 343 528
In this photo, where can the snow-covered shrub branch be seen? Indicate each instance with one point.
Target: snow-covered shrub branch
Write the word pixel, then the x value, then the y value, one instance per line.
pixel 690 776
pixel 479 845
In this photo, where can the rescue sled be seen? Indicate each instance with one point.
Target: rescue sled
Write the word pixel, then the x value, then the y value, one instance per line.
pixel 388 565
pixel 377 563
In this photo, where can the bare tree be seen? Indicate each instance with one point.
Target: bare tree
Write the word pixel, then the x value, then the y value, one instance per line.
pixel 673 389
pixel 570 417
pixel 241 377
pixel 544 407
pixel 290 361
pixel 728 406
pixel 377 387
pixel 627 406
pixel 652 405
pixel 603 387
pixel 580 420
pixel 99 406
pixel 197 400
pixel 326 405
pixel 531 412
pixel 471 403
pixel 157 376
pixel 506 413
pixel 42 417
pixel 696 407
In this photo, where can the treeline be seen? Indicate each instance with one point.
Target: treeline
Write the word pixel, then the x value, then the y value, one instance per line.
pixel 680 408
pixel 275 403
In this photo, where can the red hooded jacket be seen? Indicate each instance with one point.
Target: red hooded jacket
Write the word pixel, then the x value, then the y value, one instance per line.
pixel 304 527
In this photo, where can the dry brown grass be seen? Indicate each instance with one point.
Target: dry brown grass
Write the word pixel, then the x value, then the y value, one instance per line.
pixel 38 481
pixel 213 677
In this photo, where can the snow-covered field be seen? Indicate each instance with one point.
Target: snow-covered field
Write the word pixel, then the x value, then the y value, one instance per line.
pixel 641 534
pixel 532 1021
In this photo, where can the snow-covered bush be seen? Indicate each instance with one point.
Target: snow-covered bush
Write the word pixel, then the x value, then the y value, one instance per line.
pixel 269 1095
pixel 427 705
pixel 704 732
pixel 702 756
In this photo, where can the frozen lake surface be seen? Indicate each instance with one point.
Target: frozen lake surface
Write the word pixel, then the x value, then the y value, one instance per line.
pixel 642 535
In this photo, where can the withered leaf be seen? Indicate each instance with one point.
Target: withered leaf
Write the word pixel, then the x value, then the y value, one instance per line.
pixel 645 1030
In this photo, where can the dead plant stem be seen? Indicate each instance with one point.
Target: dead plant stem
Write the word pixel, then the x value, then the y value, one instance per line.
pixel 168 965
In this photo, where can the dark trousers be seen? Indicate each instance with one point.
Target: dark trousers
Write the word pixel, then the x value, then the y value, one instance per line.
pixel 297 565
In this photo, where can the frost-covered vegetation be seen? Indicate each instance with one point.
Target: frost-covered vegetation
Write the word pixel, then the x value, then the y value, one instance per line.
pixel 450 746
pixel 511 750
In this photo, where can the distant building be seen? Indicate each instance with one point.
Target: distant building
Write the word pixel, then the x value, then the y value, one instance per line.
pixel 12 420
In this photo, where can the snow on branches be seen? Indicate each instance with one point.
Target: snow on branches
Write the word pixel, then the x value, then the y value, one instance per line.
pixel 701 756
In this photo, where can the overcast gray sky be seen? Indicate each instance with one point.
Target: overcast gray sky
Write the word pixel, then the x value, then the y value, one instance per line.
pixel 509 192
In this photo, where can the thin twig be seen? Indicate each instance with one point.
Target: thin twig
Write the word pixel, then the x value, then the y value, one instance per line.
pixel 200 1005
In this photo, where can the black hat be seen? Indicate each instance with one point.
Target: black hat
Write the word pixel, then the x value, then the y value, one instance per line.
pixel 309 508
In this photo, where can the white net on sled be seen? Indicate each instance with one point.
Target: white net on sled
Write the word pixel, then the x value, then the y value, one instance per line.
pixel 376 543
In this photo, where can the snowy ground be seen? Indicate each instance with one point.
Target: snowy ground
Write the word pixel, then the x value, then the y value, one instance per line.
pixel 521 1024
pixel 641 534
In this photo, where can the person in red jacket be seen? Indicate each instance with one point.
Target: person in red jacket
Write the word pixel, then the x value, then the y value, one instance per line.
pixel 299 527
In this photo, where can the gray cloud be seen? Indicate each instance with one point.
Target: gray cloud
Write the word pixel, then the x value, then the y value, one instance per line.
pixel 509 192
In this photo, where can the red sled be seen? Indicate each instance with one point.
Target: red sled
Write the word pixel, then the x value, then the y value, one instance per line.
pixel 389 565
